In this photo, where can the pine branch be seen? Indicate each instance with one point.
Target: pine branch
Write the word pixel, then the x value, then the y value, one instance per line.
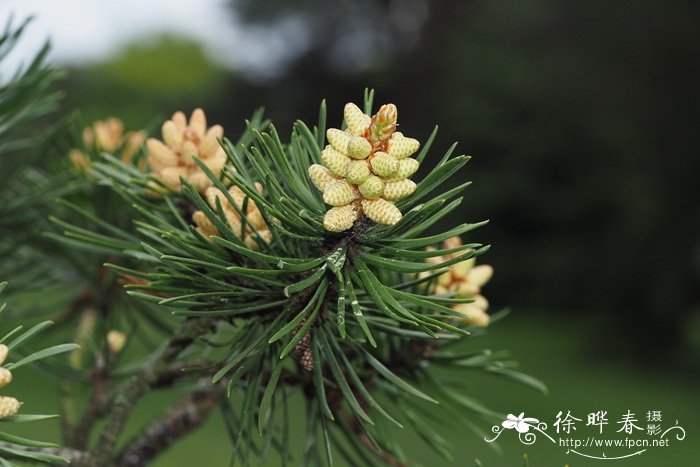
pixel 359 295
pixel 77 435
pixel 74 456
pixel 128 393
pixel 185 417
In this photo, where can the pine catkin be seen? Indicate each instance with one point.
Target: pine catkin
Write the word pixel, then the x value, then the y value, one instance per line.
pixel 8 406
pixel 4 350
pixel 340 218
pixel 358 172
pixel 369 161
pixel 372 188
pixel 464 280
pixel 335 161
pixel 232 213
pixel 381 211
pixel 5 377
pixel 339 193
pixel 321 177
pixel 359 148
pixel 107 136
pixel 173 158
pixel 384 164
pixel 338 139
pixel 401 147
pixel 394 191
pixel 355 119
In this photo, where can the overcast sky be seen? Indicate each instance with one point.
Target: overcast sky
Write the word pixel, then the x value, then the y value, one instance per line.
pixel 88 30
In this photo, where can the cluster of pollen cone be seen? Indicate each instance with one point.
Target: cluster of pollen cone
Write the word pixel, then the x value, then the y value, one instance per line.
pixel 8 405
pixel 254 221
pixel 107 135
pixel 365 169
pixel 464 280
pixel 183 141
pixel 173 159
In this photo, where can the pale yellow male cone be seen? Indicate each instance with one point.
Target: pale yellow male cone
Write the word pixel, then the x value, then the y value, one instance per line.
pixel 198 123
pixel 116 340
pixel 474 313
pixel 394 191
pixel 255 231
pixel 356 120
pixel 321 177
pixel 465 289
pixel 359 148
pixel 160 156
pixel 401 147
pixel 452 242
pixel 174 157
pixel 339 193
pixel 8 406
pixel 340 219
pixel 339 139
pixel 372 188
pixel 407 167
pixel 461 269
pixel 381 211
pixel 384 165
pixel 5 377
pixel 204 225
pixel 357 173
pixel 335 161
pixel 3 353
pixel 480 275
pixel 79 160
pixel 105 135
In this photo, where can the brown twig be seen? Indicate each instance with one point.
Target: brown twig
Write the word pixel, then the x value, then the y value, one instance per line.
pixel 128 393
pixel 181 420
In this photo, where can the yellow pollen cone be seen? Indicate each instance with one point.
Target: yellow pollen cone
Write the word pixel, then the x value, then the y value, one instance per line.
pixel 171 136
pixel 381 211
pixel 5 377
pixel 358 148
pixel 407 167
pixel 335 161
pixel 401 147
pixel 394 191
pixel 472 314
pixel 372 188
pixel 339 193
pixel 321 176
pixel 480 275
pixel 8 406
pixel 338 139
pixel 357 173
pixel 355 119
pixel 383 164
pixel 116 340
pixel 340 219
pixel 198 123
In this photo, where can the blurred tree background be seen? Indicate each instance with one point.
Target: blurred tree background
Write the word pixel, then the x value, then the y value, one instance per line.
pixel 581 118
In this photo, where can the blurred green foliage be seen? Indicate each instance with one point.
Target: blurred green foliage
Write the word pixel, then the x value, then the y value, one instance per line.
pixel 146 81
